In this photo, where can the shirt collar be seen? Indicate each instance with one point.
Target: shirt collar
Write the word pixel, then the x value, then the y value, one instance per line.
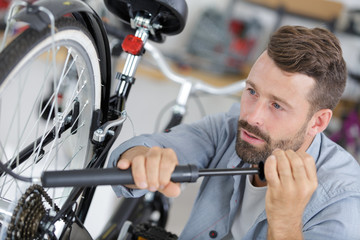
pixel 314 148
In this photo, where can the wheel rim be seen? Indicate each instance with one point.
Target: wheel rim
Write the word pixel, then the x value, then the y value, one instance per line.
pixel 29 109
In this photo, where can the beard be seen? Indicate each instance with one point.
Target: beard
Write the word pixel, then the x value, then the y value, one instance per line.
pixel 253 155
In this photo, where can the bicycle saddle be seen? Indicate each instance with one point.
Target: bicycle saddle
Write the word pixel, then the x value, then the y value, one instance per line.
pixel 170 14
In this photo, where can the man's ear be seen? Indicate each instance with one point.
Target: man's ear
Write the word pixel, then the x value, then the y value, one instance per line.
pixel 319 121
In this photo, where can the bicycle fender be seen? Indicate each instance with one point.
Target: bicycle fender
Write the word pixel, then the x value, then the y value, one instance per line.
pixel 82 12
pixel 39 19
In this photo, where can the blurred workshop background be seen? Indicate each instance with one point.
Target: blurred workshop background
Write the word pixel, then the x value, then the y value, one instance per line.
pixel 222 39
pixel 218 45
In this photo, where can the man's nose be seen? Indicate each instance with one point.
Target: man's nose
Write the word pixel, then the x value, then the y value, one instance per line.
pixel 257 114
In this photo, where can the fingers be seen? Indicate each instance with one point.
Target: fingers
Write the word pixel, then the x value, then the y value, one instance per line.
pixel 152 163
pixel 287 166
pixel 283 167
pixel 138 171
pixel 160 163
pixel 171 190
pixel 309 165
pixel 270 170
pixel 152 170
pixel 145 169
pixel 123 163
pixel 167 167
pixel 291 178
pixel 297 164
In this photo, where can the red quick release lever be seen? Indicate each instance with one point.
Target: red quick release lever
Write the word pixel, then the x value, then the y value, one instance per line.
pixel 132 45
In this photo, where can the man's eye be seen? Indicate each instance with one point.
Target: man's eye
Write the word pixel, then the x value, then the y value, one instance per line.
pixel 252 91
pixel 277 106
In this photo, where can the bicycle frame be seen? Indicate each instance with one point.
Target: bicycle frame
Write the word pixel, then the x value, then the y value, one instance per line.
pixel 40 15
pixel 105 126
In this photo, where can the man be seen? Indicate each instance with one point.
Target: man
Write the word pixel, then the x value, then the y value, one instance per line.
pixel 312 188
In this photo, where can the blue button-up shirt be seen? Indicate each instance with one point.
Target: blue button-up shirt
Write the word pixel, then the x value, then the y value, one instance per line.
pixel 332 213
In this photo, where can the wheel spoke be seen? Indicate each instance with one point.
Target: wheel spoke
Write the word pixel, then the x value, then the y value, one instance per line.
pixel 48 123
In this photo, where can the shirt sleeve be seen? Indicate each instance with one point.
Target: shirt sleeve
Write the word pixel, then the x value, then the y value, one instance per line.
pixel 193 143
pixel 339 220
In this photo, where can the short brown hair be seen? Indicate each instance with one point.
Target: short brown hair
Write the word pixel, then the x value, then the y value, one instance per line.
pixel 316 53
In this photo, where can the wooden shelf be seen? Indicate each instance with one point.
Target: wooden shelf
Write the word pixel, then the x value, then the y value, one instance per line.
pixel 325 10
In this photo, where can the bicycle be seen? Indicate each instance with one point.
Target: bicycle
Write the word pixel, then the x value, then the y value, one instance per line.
pixel 77 119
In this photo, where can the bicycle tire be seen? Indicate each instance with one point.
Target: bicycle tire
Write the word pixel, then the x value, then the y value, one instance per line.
pixel 66 97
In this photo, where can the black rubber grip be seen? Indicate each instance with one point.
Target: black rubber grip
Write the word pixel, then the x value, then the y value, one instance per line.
pixel 185 173
pixel 108 176
pixel 175 120
pixel 261 171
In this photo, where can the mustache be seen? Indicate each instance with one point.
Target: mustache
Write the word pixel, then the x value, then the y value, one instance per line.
pixel 253 130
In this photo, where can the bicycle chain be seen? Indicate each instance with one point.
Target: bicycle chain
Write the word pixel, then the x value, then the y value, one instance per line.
pixel 28 214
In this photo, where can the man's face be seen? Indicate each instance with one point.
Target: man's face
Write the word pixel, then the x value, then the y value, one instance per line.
pixel 274 111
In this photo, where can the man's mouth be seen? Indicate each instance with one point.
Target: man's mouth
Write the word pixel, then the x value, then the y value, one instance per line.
pixel 250 138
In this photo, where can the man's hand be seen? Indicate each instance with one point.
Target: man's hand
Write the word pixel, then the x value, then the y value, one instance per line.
pixel 292 179
pixel 152 168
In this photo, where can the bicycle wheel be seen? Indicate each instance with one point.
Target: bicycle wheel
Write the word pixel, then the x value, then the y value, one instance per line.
pixel 47 99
